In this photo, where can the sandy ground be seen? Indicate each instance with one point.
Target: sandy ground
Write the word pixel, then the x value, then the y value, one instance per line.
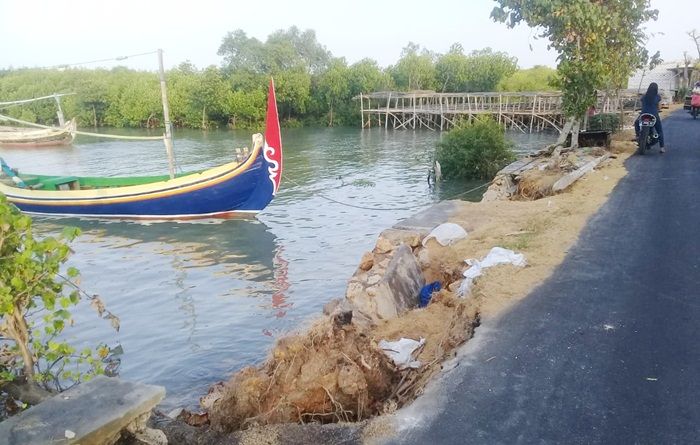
pixel 543 230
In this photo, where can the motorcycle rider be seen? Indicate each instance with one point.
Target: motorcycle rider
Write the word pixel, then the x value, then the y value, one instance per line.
pixel 650 105
pixel 695 96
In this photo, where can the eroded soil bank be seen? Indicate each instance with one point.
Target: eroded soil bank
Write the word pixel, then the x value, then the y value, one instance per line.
pixel 334 370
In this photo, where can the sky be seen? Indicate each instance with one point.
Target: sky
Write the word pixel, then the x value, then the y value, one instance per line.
pixel 43 33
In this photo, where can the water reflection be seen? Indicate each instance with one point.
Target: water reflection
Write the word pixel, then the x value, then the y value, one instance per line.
pixel 186 294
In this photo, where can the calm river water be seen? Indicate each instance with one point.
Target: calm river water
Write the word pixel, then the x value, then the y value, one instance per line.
pixel 198 301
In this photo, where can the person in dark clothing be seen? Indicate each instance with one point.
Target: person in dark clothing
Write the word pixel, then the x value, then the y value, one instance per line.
pixel 650 104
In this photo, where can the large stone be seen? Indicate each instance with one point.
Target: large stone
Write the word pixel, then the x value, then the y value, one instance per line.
pixel 92 413
pixel 395 293
pixel 501 189
pixel 367 261
pixel 383 246
pixel 398 236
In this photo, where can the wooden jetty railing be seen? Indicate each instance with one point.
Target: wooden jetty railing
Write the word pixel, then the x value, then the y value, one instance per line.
pixel 526 112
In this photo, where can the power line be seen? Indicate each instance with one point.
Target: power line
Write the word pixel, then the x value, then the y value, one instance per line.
pixel 118 58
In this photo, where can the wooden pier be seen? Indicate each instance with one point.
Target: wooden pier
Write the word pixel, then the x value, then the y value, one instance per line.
pixel 526 112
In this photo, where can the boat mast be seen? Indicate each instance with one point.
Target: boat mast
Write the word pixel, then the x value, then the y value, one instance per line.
pixel 166 116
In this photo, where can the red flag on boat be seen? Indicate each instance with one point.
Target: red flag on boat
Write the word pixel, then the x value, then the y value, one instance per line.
pixel 273 140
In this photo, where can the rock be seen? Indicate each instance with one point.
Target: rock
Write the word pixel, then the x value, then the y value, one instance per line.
pixel 395 293
pixel 354 291
pixel 373 279
pixel 398 236
pixel 329 307
pixel 193 418
pixel 383 246
pixel 424 258
pixel 339 310
pixel 215 392
pixel 501 189
pixel 367 261
pixel 341 318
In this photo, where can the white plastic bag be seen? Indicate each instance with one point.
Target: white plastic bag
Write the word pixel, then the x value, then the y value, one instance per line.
pixel 446 234
pixel 400 352
pixel 497 255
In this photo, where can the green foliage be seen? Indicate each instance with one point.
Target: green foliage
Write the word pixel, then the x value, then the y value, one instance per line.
pixel 537 78
pixel 480 71
pixel 34 306
pixel 474 150
pixel 604 122
pixel 313 87
pixel 414 70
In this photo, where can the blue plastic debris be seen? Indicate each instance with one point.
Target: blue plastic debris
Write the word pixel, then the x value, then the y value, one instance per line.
pixel 426 293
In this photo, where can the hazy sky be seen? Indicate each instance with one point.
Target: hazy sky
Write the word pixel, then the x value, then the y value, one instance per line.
pixel 47 33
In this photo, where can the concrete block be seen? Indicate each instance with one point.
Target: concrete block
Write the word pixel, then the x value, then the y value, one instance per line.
pixel 424 221
pixel 92 413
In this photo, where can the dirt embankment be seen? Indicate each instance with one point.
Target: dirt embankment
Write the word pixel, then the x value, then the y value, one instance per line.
pixel 335 370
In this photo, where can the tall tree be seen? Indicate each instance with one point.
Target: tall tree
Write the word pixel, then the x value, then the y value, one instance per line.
pixel 333 85
pixel 451 70
pixel 300 48
pixel 366 76
pixel 415 69
pixel 486 68
pixel 695 37
pixel 244 53
pixel 537 78
pixel 582 31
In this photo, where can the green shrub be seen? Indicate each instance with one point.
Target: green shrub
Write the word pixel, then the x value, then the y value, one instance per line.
pixel 35 302
pixel 474 150
pixel 604 122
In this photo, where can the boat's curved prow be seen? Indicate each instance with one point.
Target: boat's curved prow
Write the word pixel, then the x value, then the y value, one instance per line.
pixel 273 140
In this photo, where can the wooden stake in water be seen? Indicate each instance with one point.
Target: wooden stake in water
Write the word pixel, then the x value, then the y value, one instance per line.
pixel 59 113
pixel 166 116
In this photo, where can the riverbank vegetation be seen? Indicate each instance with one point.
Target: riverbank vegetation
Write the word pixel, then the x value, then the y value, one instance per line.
pixel 36 294
pixel 474 150
pixel 313 86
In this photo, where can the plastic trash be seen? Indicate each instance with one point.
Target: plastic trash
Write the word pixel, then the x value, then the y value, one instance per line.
pixel 497 255
pixel 426 293
pixel 446 234
pixel 400 352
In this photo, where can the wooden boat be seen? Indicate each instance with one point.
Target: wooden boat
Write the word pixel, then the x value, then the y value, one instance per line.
pixel 37 137
pixel 244 186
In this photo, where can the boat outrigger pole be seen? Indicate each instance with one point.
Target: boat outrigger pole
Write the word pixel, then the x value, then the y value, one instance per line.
pixel 166 116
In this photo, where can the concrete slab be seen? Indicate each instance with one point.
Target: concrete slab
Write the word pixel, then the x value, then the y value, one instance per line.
pixel 426 220
pixel 91 413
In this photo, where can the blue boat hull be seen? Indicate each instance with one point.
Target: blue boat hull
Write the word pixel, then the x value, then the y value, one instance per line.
pixel 244 188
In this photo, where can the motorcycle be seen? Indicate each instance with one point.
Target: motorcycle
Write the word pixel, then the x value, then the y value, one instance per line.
pixel 648 137
pixel 695 105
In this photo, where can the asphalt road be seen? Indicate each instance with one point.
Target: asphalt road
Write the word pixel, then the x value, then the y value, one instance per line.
pixel 608 349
